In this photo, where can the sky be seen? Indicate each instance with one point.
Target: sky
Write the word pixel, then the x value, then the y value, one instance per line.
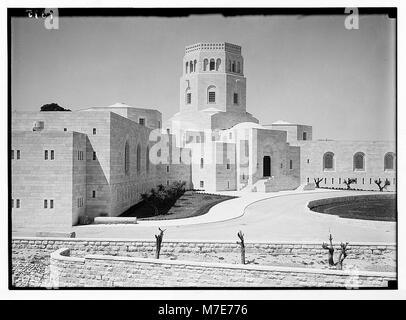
pixel 302 69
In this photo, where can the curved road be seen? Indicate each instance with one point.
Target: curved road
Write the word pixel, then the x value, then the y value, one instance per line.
pixel 280 218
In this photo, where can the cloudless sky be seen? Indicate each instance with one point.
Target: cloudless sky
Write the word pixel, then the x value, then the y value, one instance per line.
pixel 308 70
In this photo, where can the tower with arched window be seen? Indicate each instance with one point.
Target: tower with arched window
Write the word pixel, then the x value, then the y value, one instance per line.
pixel 213 77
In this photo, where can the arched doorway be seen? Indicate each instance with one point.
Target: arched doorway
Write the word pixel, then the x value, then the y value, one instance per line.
pixel 267 166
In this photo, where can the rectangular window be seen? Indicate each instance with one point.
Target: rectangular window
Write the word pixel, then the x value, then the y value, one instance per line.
pixel 51 204
pixel 228 165
pixel 94 155
pixel 201 163
pixel 142 121
pixel 12 154
pixel 304 135
pixel 18 154
pixel 308 160
pixel 159 124
pixel 332 180
pixel 308 180
pixel 65 129
pixel 212 97
pixel 94 194
pixel 46 155
pixel 363 182
pixel 325 180
pixel 370 180
pixel 339 180
pixel 18 203
pixel 167 168
pixel 45 204
pixel 167 182
pixel 235 98
pixel 201 184
pixel 290 164
pixel 94 130
pixel 52 155
pixel 189 98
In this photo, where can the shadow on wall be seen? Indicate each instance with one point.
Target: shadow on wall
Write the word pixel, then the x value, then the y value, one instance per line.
pixel 97 186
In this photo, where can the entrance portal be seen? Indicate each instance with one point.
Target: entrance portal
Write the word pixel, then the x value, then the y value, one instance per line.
pixel 267 166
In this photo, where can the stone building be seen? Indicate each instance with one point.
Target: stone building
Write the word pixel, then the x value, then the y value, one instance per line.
pixel 99 160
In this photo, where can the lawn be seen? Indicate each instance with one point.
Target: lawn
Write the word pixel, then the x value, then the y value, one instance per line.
pixel 190 204
pixel 378 210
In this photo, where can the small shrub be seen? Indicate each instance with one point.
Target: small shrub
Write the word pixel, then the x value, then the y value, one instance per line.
pixel 84 220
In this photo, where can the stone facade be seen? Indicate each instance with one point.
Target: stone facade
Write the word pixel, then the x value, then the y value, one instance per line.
pixel 48 178
pixel 311 163
pixel 104 156
pixel 88 174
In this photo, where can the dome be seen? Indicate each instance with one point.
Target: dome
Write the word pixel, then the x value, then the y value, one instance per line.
pixel 247 125
pixel 119 105
pixel 282 122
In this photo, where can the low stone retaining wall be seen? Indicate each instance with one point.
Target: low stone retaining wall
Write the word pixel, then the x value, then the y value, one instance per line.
pixel 115 220
pixel 114 271
pixel 132 248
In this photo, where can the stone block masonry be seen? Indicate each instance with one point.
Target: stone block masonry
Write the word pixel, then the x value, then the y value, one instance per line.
pixel 198 253
pixel 134 247
pixel 113 271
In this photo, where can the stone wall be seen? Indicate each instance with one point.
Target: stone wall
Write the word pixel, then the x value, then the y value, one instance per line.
pixel 111 271
pixel 311 163
pixel 127 187
pixel 35 179
pixel 123 247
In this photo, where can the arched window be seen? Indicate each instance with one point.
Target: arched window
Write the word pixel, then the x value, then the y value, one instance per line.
pixel 211 94
pixel 191 66
pixel 187 64
pixel 212 65
pixel 147 160
pixel 126 158
pixel 233 66
pixel 194 66
pixel 205 63
pixel 389 161
pixel 238 67
pixel 359 161
pixel 138 158
pixel 328 161
pixel 218 62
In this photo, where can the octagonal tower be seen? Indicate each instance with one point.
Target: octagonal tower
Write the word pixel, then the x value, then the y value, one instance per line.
pixel 213 78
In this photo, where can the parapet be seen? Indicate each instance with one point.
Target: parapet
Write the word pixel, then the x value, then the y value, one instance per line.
pixel 214 46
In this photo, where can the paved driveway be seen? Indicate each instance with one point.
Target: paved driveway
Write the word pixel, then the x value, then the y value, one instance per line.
pixel 284 217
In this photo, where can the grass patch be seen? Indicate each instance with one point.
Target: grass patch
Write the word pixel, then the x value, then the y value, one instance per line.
pixel 190 204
